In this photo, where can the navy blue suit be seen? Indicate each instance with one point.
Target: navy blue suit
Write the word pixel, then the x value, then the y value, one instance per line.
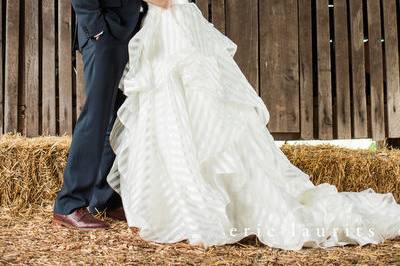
pixel 90 156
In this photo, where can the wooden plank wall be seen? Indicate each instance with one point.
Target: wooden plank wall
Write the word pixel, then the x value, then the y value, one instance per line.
pixel 39 81
pixel 325 68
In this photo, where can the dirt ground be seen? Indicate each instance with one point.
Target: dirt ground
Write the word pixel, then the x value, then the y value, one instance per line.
pixel 31 239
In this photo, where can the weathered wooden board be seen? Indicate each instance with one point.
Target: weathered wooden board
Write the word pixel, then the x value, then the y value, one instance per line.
pixel 279 53
pixel 342 72
pixel 360 121
pixel 243 15
pixel 377 109
pixel 12 77
pixel 48 68
pixel 325 123
pixel 218 14
pixel 31 68
pixel 203 6
pixel 306 69
pixel 65 67
pixel 392 67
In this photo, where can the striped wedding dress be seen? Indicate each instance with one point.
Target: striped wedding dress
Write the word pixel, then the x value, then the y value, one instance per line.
pixel 194 160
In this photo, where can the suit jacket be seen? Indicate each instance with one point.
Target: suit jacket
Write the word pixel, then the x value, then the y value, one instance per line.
pixel 118 18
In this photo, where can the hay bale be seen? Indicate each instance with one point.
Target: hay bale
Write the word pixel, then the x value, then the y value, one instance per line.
pixel 31 169
pixel 349 169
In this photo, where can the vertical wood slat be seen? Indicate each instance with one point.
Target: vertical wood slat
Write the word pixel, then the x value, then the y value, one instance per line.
pixel 12 66
pixel 360 126
pixel 325 125
pixel 80 85
pixel 218 14
pixel 31 68
pixel 243 15
pixel 343 111
pixel 65 67
pixel 279 64
pixel 1 70
pixel 48 68
pixel 306 69
pixel 203 6
pixel 376 70
pixel 392 67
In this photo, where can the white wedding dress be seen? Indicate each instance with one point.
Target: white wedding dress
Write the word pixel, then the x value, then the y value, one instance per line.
pixel 194 160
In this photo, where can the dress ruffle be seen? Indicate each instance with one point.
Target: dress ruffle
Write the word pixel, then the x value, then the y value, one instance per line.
pixel 194 160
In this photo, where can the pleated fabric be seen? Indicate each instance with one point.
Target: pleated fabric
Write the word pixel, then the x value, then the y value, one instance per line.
pixel 194 160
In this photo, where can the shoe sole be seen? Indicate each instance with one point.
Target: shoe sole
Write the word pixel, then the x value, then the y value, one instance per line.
pixel 59 223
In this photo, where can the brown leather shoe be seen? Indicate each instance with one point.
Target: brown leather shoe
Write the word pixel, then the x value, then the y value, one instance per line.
pixel 80 219
pixel 116 214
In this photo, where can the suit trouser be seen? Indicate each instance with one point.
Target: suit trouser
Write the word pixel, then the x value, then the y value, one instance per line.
pixel 90 155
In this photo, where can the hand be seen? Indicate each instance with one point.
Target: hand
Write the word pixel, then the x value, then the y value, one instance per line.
pixel 161 3
pixel 166 4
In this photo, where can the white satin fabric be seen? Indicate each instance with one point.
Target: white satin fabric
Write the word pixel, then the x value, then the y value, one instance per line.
pixel 195 161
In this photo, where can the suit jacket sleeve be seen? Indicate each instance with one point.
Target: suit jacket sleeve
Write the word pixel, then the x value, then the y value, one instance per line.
pixel 90 16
